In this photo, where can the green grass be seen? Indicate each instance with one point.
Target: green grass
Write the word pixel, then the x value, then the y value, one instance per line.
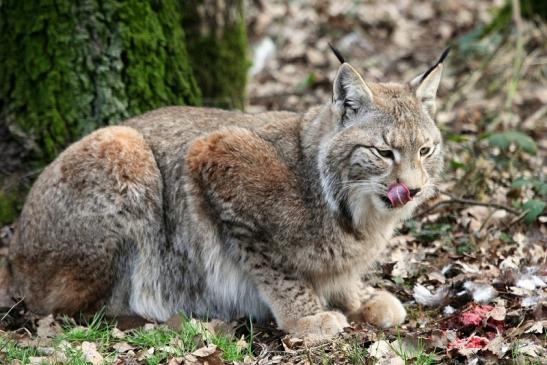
pixel 357 354
pixel 231 350
pixel 326 360
pixel 74 356
pixel 423 358
pixel 189 335
pixel 167 342
pixel 415 355
pixel 96 330
pixel 13 351
pixel 158 338
pixel 519 357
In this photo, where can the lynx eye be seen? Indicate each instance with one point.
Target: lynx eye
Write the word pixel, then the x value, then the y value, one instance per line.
pixel 385 153
pixel 424 151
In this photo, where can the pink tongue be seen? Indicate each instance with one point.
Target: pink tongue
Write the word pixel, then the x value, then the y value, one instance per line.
pixel 398 194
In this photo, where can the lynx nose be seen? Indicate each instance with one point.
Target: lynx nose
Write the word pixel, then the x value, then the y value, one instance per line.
pixel 413 192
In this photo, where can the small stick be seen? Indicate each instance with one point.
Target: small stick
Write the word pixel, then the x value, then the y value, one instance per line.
pixel 455 200
pixel 13 306
pixel 476 202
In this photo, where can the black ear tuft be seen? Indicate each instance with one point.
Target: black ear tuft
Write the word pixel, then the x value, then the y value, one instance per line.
pixel 337 53
pixel 443 55
pixel 441 60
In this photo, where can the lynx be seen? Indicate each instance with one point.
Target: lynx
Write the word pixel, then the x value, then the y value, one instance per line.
pixel 223 214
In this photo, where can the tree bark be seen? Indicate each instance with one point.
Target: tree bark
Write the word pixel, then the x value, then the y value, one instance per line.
pixel 218 49
pixel 69 67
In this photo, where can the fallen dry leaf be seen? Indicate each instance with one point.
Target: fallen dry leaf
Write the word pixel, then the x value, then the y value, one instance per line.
pixel 529 348
pixel 241 344
pixel 123 347
pixel 145 354
pixel 117 333
pixel 205 351
pixel 174 322
pixel 209 354
pixel 89 350
pixel 498 346
pixel 537 327
pixel 498 313
pixel 218 327
pixel 175 361
pixel 47 327
pixel 150 326
pixel 290 344
pixel 41 360
pixel 380 349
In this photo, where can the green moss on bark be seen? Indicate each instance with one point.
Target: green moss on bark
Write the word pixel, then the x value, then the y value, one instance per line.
pixel 9 207
pixel 67 67
pixel 153 51
pixel 218 50
pixel 39 72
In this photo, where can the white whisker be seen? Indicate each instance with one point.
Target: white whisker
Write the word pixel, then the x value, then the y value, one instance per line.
pixel 372 186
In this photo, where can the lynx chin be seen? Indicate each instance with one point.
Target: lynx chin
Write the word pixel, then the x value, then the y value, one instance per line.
pixel 223 214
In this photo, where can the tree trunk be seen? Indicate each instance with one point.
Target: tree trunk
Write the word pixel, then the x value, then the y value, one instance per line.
pixel 218 49
pixel 69 67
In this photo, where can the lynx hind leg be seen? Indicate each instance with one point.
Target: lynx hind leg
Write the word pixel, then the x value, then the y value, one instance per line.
pixel 70 246
pixel 381 309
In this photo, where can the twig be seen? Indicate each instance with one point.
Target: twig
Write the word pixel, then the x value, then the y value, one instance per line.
pixel 535 117
pixel 455 200
pixel 485 222
pixel 516 220
pixel 476 202
pixel 23 329
pixel 13 306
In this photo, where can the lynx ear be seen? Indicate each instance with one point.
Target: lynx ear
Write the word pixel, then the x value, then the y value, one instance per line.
pixel 426 84
pixel 350 90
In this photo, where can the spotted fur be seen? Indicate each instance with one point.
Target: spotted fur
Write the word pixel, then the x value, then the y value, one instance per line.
pixel 225 214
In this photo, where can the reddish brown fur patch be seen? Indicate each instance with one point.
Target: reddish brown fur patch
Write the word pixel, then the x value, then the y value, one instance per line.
pixel 237 154
pixel 126 155
pixel 121 152
pixel 69 294
pixel 67 290
pixel 200 151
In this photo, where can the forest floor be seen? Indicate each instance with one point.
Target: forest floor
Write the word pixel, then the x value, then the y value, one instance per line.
pixel 470 267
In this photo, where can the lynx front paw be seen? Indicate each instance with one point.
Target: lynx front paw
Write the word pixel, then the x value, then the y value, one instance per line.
pixel 319 327
pixel 381 310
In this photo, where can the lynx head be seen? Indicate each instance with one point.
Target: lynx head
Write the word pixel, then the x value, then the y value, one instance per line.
pixel 382 149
